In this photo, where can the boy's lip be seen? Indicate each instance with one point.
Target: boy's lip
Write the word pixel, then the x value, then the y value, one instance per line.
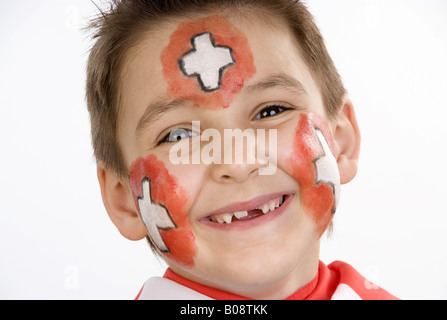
pixel 247 205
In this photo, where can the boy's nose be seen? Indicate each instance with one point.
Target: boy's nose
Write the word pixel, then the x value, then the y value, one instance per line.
pixel 239 159
pixel 234 173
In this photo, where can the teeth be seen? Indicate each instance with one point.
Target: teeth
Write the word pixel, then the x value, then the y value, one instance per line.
pixel 224 217
pixel 271 205
pixel 240 214
pixel 266 207
pixel 227 217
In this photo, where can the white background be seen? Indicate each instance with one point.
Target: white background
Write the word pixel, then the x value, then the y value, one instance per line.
pixel 56 241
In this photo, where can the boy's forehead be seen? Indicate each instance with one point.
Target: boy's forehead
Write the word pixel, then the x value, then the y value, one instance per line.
pixel 207 60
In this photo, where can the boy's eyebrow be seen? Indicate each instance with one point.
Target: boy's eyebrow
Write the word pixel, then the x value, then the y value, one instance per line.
pixel 154 110
pixel 277 80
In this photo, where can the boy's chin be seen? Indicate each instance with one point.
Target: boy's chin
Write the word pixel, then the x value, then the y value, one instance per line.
pixel 279 256
pixel 254 270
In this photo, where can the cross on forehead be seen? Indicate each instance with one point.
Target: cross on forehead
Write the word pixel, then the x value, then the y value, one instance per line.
pixel 206 61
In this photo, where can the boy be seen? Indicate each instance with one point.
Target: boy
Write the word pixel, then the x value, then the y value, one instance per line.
pixel 232 221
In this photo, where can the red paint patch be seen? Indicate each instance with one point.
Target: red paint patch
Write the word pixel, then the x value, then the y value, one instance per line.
pixel 318 199
pixel 225 34
pixel 166 190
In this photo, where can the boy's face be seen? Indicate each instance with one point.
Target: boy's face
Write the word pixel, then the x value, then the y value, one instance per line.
pixel 228 75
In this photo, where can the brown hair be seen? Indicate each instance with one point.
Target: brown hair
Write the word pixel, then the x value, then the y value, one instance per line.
pixel 119 29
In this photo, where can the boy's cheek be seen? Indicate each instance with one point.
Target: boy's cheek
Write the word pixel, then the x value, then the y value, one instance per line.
pixel 311 162
pixel 162 203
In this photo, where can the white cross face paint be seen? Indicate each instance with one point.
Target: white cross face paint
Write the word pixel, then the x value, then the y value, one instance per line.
pixel 206 61
pixel 326 166
pixel 315 168
pixel 155 216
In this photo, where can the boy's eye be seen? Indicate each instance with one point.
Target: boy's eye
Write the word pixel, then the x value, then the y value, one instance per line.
pixel 270 111
pixel 177 135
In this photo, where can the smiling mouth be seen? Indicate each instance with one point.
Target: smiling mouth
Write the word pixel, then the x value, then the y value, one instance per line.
pixel 244 215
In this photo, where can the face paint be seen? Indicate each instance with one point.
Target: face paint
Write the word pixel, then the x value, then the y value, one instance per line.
pixel 161 203
pixel 207 61
pixel 315 168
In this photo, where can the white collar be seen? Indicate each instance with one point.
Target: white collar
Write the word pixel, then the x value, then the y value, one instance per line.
pixel 157 288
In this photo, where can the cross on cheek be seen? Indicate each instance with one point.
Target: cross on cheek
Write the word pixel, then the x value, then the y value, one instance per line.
pixel 206 61
pixel 155 216
pixel 315 168
pixel 161 201
pixel 326 168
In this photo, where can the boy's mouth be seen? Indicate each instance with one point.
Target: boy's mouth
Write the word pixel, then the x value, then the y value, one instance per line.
pixel 247 211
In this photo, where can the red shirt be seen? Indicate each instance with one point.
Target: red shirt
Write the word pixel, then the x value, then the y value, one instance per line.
pixel 338 280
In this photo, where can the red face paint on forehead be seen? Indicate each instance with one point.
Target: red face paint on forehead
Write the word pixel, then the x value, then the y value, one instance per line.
pixel 226 37
pixel 161 202
pixel 318 197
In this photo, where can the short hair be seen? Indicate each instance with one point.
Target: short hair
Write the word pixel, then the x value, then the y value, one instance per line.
pixel 122 26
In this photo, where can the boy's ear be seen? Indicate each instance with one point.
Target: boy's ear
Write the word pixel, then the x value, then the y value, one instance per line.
pixel 119 204
pixel 347 141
